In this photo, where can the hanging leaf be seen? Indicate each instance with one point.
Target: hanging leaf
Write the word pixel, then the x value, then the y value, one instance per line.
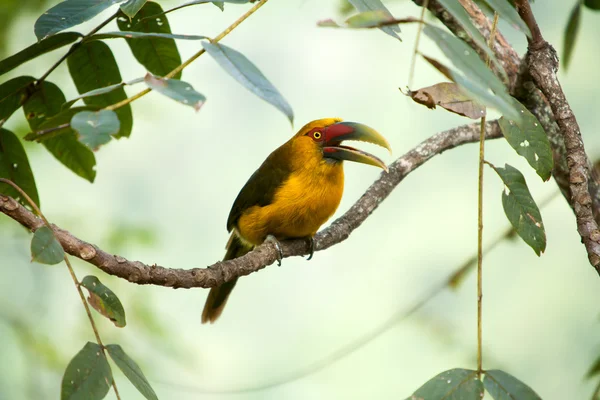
pixel 67 14
pixel 454 384
pixel 14 166
pixel 132 7
pixel 131 370
pixel 521 210
pixel 246 73
pixel 104 300
pixel 529 140
pixel 143 35
pixel 159 55
pixel 458 12
pixel 508 13
pixel 88 375
pixel 13 93
pixel 592 4
pixel 37 49
pixel 571 34
pixel 97 92
pixel 63 144
pixel 179 91
pixel 45 248
pixel 95 128
pixel 449 96
pixel 375 5
pixel 503 386
pixel 93 66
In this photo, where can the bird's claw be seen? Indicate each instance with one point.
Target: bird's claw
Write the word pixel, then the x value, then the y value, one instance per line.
pixel 311 247
pixel 272 239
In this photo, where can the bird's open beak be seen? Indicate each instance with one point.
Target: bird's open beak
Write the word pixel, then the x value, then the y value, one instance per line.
pixel 341 131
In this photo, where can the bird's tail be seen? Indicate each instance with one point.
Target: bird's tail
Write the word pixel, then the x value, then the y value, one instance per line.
pixel 217 297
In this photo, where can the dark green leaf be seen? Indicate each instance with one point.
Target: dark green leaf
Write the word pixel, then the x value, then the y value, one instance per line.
pixel 43 104
pixel 511 15
pixel 594 369
pixel 478 79
pixel 97 92
pixel 87 376
pixel 45 248
pixel 459 13
pixel 571 34
pixel 14 166
pixel 219 4
pixel 65 147
pixel 131 370
pixel 37 49
pixel 592 4
pixel 521 210
pixel 454 384
pixel 132 7
pixel 179 91
pixel 67 14
pixel 13 93
pixel 246 73
pixel 55 126
pixel 374 5
pixel 529 140
pixel 95 128
pixel 104 300
pixel 143 35
pixel 93 66
pixel 159 55
pixel 503 386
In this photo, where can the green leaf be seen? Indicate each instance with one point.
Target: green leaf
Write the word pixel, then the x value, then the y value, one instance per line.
pixel 159 55
pixel 104 300
pixel 454 384
pixel 43 104
pixel 529 140
pixel 67 14
pixel 571 34
pixel 87 376
pixel 521 210
pixel 131 370
pixel 45 248
pixel 459 13
pixel 503 386
pixel 97 92
pixel 511 15
pixel 369 19
pixel 13 93
pixel 478 79
pixel 219 4
pixel 95 128
pixel 246 73
pixel 64 145
pixel 132 7
pixel 179 91
pixel 375 5
pixel 594 369
pixel 37 49
pixel 592 4
pixel 93 66
pixel 144 35
pixel 14 166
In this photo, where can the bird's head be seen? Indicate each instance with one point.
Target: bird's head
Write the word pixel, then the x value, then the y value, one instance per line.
pixel 327 135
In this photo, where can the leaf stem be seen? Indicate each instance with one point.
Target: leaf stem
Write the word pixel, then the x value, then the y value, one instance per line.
pixel 411 73
pixel 69 267
pixel 231 27
pixel 480 224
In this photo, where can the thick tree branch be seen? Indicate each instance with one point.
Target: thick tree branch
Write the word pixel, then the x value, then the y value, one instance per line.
pixel 266 254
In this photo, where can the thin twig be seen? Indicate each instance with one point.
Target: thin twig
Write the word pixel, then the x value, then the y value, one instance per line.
pixel 191 59
pixel 413 62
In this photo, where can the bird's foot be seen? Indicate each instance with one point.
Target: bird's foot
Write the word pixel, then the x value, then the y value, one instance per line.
pixel 311 247
pixel 272 239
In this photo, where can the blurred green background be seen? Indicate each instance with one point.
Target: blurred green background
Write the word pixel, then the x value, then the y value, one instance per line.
pixel 163 196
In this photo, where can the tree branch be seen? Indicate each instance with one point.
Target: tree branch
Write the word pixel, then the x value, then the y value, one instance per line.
pixel 265 254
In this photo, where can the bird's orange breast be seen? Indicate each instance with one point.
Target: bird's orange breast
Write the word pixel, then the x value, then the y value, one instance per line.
pixel 304 202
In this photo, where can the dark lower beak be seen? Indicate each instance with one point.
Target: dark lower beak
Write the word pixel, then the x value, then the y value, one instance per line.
pixel 336 133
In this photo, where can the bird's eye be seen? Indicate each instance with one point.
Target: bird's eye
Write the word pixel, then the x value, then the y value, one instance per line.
pixel 317 135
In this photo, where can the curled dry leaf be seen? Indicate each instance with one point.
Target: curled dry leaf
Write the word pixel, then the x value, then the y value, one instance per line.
pixel 449 96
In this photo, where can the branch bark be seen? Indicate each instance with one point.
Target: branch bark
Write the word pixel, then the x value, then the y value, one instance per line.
pixel 265 254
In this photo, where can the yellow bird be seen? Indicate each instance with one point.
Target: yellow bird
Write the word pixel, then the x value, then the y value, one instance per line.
pixel 295 191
